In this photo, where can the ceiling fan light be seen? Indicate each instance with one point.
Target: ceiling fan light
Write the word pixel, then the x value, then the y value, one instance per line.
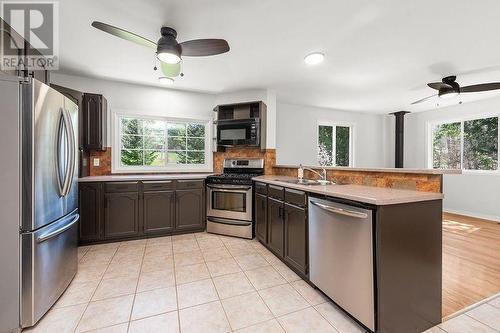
pixel 168 57
pixel 449 95
pixel 314 58
pixel 168 81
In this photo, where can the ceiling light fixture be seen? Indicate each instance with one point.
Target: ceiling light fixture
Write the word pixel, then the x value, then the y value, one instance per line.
pixel 166 80
pixel 448 95
pixel 168 50
pixel 314 58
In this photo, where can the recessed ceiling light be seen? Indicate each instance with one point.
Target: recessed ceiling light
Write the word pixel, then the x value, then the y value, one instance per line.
pixel 166 80
pixel 314 58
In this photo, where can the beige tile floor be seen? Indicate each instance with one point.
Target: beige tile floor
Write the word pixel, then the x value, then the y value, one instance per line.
pixel 205 283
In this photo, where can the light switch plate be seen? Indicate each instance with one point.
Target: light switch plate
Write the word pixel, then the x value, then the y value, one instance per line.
pixel 96 162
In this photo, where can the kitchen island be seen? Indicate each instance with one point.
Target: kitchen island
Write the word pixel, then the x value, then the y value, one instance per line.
pixel 396 256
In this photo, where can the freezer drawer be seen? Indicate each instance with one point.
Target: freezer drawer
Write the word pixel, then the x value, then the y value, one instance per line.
pixel 49 263
pixel 341 256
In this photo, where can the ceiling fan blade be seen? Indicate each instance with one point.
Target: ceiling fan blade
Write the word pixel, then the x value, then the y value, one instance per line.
pixel 424 99
pixel 439 85
pixel 170 70
pixel 481 87
pixel 124 34
pixel 204 47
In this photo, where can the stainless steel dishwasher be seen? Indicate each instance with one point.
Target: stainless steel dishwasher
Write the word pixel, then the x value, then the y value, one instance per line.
pixel 341 256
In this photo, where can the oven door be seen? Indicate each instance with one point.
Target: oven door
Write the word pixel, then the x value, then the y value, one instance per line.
pixel 229 201
pixel 238 132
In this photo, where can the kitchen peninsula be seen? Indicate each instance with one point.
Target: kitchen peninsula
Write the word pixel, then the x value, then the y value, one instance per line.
pixel 387 240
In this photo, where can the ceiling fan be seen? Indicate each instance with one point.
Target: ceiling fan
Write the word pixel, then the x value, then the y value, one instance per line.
pixel 448 87
pixel 168 50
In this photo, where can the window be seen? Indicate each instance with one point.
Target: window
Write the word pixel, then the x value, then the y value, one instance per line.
pixel 334 145
pixel 468 144
pixel 156 144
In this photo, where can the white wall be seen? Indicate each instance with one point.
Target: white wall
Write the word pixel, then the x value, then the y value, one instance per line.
pixel 470 193
pixel 134 99
pixel 296 134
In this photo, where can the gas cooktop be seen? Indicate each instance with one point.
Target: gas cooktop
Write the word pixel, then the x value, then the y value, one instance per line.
pixel 238 171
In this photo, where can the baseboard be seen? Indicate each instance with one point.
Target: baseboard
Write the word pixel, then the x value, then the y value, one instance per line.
pixel 490 218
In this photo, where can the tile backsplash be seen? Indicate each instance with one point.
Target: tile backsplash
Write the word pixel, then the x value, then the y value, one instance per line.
pixel 408 181
pixel 269 156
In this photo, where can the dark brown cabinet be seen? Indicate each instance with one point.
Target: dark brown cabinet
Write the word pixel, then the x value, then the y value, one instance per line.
pixel 189 209
pixel 261 217
pixel 135 209
pixel 94 122
pixel 281 224
pixel 296 237
pixel 121 217
pixel 276 226
pixel 158 211
pixel 89 199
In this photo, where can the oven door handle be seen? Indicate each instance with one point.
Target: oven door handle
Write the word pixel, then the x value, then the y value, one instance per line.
pixel 230 188
pixel 229 222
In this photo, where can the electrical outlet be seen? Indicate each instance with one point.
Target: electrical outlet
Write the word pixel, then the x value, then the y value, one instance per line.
pixel 96 162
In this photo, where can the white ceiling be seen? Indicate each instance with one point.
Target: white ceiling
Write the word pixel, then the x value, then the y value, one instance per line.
pixel 379 54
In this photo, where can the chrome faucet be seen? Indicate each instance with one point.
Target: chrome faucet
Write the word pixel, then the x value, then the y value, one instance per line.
pixel 321 175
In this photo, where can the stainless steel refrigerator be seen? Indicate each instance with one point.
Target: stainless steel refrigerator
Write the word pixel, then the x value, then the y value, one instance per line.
pixel 38 199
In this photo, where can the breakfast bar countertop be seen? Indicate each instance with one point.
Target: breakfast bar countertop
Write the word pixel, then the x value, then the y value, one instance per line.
pixel 367 194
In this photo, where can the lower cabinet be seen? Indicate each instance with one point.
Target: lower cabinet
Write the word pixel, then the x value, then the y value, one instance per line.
pixel 189 209
pixel 261 217
pixel 121 217
pixel 90 209
pixel 275 225
pixel 158 211
pixel 296 237
pixel 125 210
pixel 281 225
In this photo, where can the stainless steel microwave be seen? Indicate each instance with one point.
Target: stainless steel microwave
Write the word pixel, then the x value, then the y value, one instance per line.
pixel 238 132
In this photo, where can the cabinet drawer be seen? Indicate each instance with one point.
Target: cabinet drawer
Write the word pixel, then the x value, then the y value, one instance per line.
pixel 188 184
pixel 261 188
pixel 275 192
pixel 121 187
pixel 158 185
pixel 295 197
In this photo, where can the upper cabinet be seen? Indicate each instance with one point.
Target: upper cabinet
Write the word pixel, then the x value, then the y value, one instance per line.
pixel 94 122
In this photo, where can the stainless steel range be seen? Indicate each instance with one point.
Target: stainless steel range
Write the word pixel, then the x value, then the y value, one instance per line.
pixel 229 198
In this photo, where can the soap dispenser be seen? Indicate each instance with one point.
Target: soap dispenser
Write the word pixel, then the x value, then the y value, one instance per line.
pixel 300 172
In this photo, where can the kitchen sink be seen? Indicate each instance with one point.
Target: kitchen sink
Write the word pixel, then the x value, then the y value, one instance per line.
pixel 305 181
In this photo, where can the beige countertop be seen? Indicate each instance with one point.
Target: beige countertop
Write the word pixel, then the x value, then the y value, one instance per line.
pixel 388 170
pixel 368 194
pixel 133 177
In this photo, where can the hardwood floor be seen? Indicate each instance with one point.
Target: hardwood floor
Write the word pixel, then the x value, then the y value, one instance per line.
pixel 471 261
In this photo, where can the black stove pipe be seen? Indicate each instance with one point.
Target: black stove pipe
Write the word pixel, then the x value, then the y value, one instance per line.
pixel 400 137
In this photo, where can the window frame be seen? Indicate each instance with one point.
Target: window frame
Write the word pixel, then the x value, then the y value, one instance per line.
pixel 352 127
pixel 461 120
pixel 117 167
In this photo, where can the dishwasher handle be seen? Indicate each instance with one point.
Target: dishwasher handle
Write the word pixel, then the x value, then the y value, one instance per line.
pixel 341 211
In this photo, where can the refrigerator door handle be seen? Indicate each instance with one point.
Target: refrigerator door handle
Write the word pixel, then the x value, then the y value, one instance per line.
pixel 54 233
pixel 60 182
pixel 72 151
